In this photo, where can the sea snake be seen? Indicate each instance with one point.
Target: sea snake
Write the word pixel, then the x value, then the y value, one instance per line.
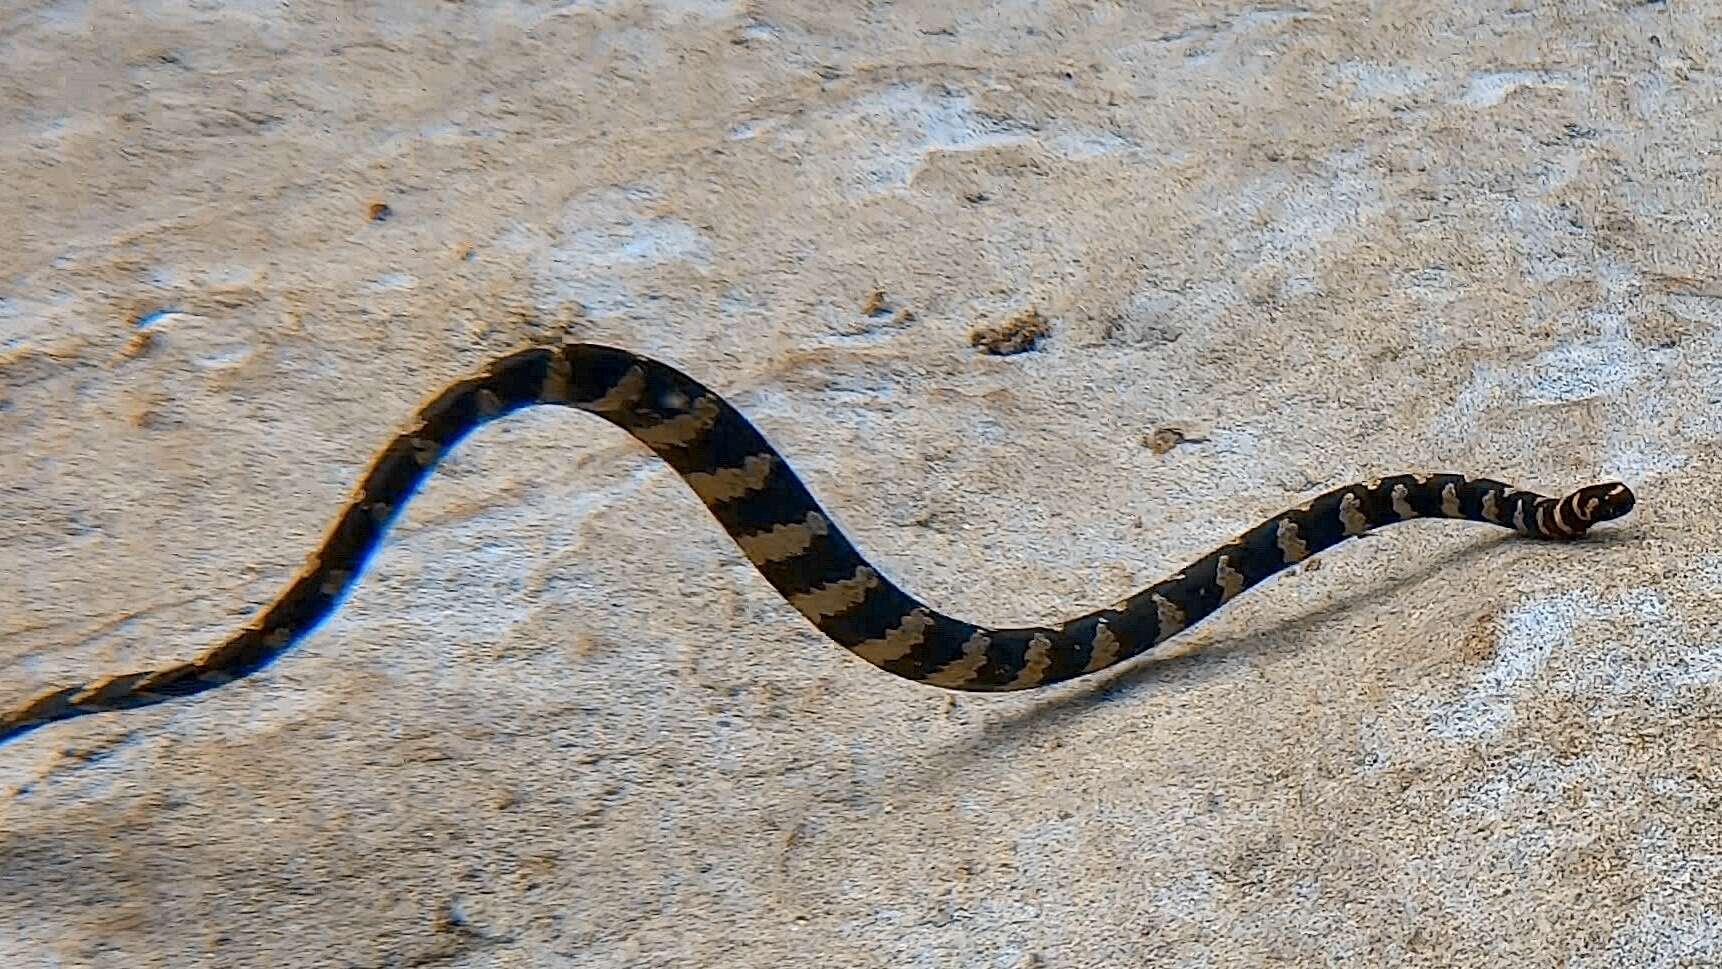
pixel 763 505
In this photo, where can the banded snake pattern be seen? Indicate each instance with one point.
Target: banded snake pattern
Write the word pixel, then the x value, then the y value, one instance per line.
pixel 760 501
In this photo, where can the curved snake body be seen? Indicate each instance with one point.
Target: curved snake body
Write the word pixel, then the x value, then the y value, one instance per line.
pixel 783 531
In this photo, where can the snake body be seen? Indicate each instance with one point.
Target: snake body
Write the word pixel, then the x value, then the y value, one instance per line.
pixel 764 506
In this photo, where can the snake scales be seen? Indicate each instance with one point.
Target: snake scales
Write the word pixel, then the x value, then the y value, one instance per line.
pixel 763 505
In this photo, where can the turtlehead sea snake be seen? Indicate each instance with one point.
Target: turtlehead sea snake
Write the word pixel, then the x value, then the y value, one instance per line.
pixel 783 531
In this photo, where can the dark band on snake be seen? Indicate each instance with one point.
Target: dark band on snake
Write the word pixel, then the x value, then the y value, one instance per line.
pixel 783 531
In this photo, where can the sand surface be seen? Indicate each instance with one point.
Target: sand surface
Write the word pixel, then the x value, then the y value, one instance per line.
pixel 563 723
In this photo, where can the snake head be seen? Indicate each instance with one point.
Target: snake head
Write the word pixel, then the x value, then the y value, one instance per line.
pixel 1601 502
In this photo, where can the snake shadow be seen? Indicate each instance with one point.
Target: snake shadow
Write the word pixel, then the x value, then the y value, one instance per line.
pixel 1003 733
